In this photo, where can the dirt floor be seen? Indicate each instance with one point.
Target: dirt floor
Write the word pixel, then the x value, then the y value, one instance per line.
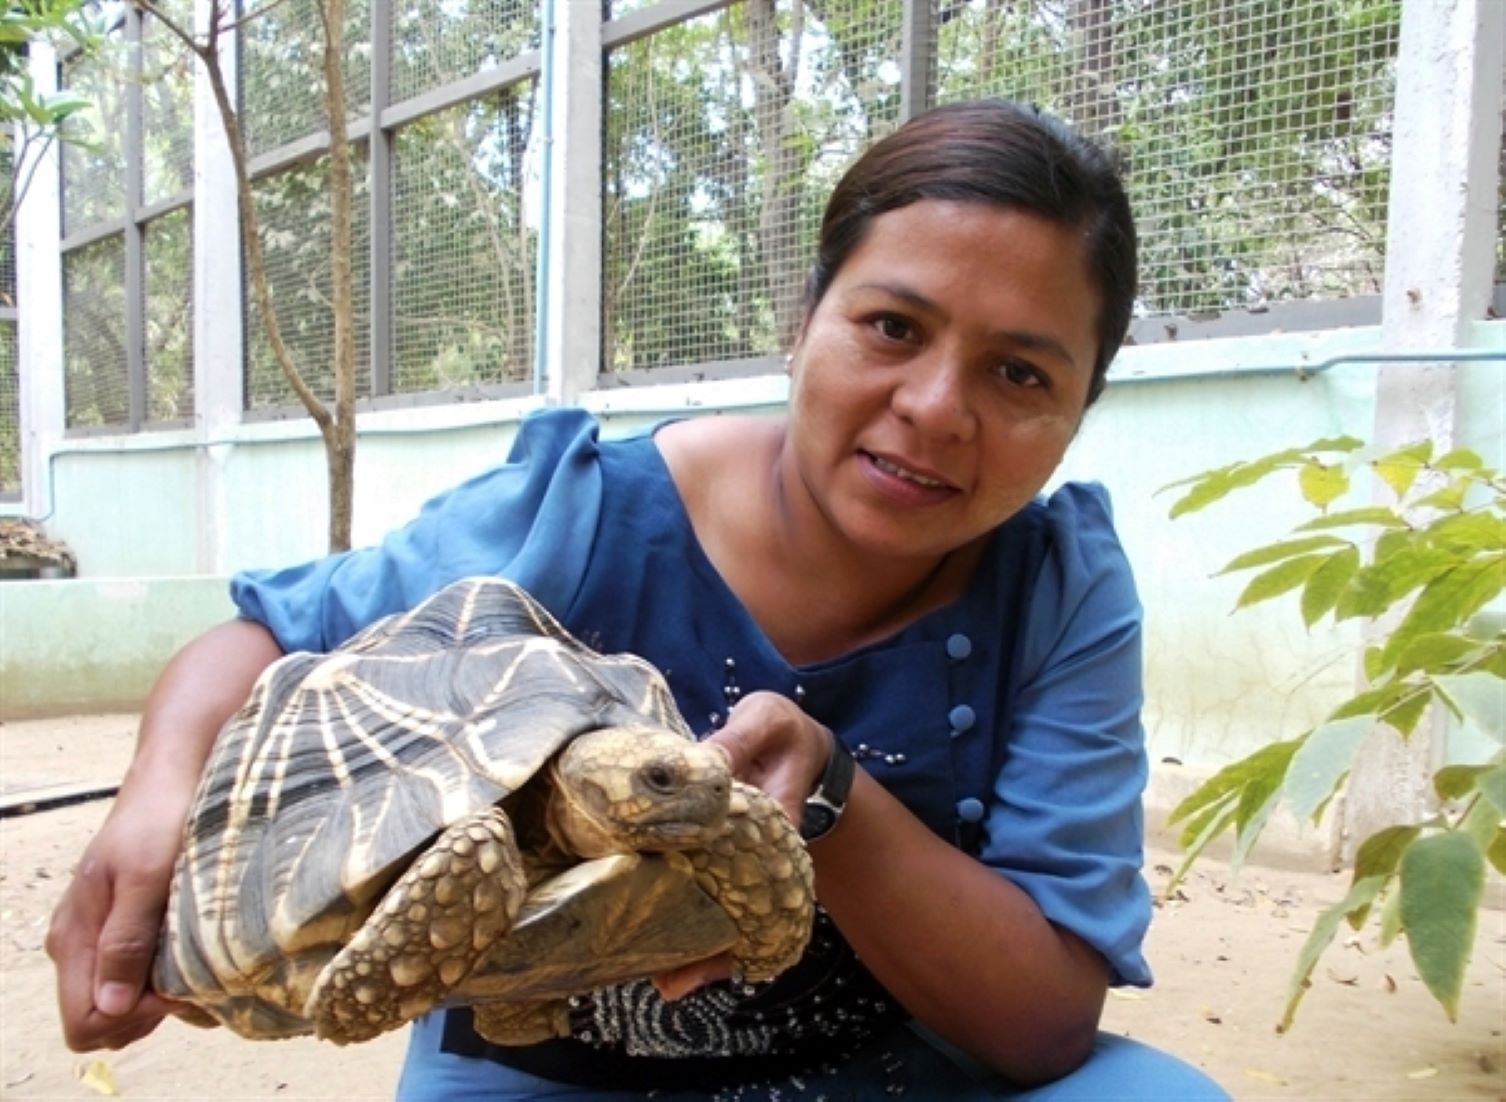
pixel 1222 950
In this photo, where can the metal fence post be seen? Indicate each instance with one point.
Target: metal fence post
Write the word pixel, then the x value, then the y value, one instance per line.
pixel 570 290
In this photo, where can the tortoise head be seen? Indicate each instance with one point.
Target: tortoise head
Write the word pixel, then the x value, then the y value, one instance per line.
pixel 630 789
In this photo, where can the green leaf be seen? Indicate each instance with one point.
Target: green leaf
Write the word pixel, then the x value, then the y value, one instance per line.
pixel 1279 579
pixel 1437 652
pixel 1480 698
pixel 1399 703
pixel 1442 880
pixel 1392 542
pixel 1497 852
pixel 1386 518
pixel 1460 459
pixel 1322 761
pixel 1213 825
pixel 1385 581
pixel 1321 483
pixel 1257 800
pixel 1493 787
pixel 1213 485
pixel 1223 808
pixel 1269 761
pixel 1401 468
pixel 1372 663
pixel 1275 552
pixel 1326 585
pixel 1481 821
pixel 1380 853
pixel 1334 444
pixel 1390 921
pixel 1360 895
pixel 1466 533
pixel 1450 497
pixel 1454 782
pixel 1408 708
pixel 1218 484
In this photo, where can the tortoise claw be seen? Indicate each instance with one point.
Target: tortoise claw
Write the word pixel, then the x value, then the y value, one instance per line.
pixel 436 922
pixel 760 873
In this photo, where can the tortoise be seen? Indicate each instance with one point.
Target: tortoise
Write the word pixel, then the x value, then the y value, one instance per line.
pixel 464 804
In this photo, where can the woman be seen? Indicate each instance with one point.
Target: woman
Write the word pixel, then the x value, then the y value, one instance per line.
pixel 871 575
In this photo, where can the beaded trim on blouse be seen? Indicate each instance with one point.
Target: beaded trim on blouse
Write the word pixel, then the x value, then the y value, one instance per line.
pixel 827 1002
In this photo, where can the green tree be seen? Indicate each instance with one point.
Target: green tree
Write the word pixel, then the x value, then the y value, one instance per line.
pixel 336 420
pixel 1423 572
pixel 31 121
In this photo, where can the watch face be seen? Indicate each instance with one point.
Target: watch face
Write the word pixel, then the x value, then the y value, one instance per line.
pixel 817 821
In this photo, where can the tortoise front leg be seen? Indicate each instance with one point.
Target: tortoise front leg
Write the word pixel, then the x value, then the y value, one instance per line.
pixel 760 873
pixel 435 923
pixel 522 1023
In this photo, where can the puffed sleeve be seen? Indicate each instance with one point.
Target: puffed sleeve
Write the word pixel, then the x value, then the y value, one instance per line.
pixel 531 519
pixel 1066 822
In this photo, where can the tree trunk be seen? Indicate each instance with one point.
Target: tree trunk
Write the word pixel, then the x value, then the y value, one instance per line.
pixel 337 430
pixel 340 448
pixel 778 222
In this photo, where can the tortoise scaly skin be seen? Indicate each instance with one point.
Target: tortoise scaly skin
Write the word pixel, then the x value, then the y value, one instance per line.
pixel 464 804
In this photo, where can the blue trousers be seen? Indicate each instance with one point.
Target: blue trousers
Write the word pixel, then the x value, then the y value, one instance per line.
pixel 902 1062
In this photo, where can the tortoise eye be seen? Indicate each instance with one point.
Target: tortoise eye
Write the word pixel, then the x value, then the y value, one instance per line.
pixel 660 778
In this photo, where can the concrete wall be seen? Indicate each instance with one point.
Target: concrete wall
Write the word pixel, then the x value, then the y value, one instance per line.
pixel 96 645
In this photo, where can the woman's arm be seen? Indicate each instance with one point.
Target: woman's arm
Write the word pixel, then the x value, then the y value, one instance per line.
pixel 104 930
pixel 965 951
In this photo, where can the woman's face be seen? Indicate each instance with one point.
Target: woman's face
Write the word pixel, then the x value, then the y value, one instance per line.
pixel 938 383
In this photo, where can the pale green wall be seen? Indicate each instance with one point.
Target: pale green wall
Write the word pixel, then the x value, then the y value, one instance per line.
pixel 96 645
pixel 1219 686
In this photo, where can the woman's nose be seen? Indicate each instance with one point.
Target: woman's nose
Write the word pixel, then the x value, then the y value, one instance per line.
pixel 933 396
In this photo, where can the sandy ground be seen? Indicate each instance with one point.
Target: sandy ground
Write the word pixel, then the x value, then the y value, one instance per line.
pixel 1222 950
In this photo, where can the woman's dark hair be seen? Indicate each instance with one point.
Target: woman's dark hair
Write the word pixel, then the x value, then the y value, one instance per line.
pixel 1003 153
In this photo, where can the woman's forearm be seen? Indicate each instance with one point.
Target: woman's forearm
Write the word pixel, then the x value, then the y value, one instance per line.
pixel 964 950
pixel 201 687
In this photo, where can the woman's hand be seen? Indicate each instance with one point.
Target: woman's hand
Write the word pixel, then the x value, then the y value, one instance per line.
pixel 104 930
pixel 772 744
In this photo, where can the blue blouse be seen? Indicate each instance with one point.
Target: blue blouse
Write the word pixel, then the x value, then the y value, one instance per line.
pixel 1008 721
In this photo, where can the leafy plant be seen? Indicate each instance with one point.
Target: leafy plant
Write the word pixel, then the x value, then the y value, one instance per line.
pixel 30 120
pixel 1424 572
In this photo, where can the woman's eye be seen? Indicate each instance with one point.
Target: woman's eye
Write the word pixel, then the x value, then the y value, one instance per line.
pixel 1022 374
pixel 893 327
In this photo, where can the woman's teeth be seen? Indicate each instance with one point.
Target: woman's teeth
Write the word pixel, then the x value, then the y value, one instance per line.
pixel 908 476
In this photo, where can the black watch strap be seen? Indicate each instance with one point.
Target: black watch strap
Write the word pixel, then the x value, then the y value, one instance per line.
pixel 824 806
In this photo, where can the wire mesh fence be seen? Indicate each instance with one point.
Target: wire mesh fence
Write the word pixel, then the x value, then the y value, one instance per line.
pixel 167 257
pixel 96 390
pixel 1256 135
pixel 435 42
pixel 8 187
pixel 282 70
pixel 464 264
pixel 167 114
pixel 723 134
pixel 10 412
pixel 293 209
pixel 93 167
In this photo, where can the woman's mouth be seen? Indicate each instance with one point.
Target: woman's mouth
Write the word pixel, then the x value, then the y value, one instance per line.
pixel 907 482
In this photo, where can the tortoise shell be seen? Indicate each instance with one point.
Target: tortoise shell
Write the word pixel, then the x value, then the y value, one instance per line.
pixel 352 780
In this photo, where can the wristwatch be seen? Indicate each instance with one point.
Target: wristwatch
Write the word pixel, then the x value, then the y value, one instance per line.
pixel 824 806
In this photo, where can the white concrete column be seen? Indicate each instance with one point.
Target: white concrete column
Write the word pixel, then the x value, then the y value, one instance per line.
pixel 1440 257
pixel 572 283
pixel 217 318
pixel 39 291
